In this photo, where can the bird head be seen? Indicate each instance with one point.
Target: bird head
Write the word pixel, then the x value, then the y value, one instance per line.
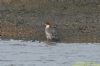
pixel 47 25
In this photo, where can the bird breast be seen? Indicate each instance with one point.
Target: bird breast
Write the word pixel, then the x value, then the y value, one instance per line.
pixel 48 33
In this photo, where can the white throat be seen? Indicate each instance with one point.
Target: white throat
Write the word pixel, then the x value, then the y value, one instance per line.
pixel 47 26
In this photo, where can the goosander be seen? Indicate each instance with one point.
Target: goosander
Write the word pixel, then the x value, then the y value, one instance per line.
pixel 51 33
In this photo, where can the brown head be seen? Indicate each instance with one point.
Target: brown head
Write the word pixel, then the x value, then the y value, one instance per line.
pixel 48 23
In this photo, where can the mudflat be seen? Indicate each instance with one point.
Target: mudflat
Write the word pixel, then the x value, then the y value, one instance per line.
pixel 76 20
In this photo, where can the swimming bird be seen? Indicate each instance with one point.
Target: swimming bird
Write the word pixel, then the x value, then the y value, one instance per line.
pixel 51 33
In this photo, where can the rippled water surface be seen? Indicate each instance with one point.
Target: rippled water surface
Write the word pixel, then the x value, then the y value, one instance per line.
pixel 28 53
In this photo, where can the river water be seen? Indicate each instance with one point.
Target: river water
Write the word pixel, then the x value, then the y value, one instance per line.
pixel 28 53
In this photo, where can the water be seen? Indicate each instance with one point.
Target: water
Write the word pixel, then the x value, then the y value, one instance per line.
pixel 28 53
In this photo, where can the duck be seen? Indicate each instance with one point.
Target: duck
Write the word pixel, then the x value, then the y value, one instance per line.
pixel 51 33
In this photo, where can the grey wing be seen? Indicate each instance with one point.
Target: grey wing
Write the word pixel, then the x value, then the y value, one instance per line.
pixel 54 33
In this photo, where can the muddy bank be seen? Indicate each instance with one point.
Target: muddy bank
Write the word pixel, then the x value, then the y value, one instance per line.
pixel 76 22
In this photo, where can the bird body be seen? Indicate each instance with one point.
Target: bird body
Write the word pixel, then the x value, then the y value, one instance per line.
pixel 50 32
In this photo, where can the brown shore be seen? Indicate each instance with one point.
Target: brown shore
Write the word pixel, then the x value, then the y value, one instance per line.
pixel 77 21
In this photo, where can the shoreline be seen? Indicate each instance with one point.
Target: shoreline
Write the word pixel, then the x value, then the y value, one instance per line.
pixel 76 20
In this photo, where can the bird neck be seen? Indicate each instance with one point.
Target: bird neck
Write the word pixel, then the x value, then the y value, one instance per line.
pixel 47 26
